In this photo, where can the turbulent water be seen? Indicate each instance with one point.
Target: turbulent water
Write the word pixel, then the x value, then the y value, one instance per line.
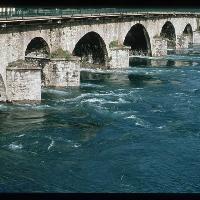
pixel 129 130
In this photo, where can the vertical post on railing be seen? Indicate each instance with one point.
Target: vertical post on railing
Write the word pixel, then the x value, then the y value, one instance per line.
pixel 6 13
pixel 61 12
pixel 22 14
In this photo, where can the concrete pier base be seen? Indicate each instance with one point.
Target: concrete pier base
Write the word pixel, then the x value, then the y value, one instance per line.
pixel 182 44
pixel 159 47
pixel 61 72
pixel 2 90
pixel 196 37
pixel 23 82
pixel 119 57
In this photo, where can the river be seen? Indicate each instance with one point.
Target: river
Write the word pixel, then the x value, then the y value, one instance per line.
pixel 123 130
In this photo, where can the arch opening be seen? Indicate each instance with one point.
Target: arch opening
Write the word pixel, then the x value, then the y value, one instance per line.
pixel 138 39
pixel 91 49
pixel 168 32
pixel 37 47
pixel 188 33
pixel 188 30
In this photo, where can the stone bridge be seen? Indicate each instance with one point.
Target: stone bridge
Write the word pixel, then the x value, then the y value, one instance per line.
pixel 102 40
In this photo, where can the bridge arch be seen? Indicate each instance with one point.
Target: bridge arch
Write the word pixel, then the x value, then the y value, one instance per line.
pixel 37 47
pixel 138 38
pixel 168 32
pixel 188 29
pixel 91 48
pixel 188 32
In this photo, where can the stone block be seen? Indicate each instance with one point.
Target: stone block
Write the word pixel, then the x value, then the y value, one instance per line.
pixel 182 44
pixel 2 90
pixel 62 73
pixel 159 46
pixel 196 37
pixel 119 57
pixel 23 82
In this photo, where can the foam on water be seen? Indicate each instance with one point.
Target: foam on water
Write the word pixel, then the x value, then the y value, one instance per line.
pixel 14 146
pixel 74 99
pixel 91 85
pixel 92 100
pixel 157 111
pixel 55 91
pixel 145 134
pixel 76 145
pixel 109 71
pixel 161 127
pixel 138 121
pixel 121 100
pixel 51 144
pixel 21 135
pixel 131 117
pixel 82 97
pixel 147 57
pixel 104 101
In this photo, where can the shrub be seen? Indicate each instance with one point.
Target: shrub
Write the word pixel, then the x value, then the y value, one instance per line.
pixel 60 53
pixel 115 43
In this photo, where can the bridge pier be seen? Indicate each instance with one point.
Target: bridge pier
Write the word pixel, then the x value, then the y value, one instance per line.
pixel 119 57
pixel 23 82
pixel 61 72
pixel 2 90
pixel 183 42
pixel 159 47
pixel 196 36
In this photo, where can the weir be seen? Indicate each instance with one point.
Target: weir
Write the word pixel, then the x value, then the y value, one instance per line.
pixel 96 41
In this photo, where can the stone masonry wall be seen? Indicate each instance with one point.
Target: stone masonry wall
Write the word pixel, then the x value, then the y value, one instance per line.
pixel 196 37
pixel 2 90
pixel 159 47
pixel 23 83
pixel 183 42
pixel 62 73
pixel 119 57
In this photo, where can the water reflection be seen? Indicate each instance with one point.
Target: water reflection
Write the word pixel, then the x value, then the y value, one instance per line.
pixel 137 61
pixel 160 62
pixel 93 76
pixel 16 119
pixel 140 80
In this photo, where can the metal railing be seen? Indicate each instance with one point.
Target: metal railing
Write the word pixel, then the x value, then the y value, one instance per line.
pixel 22 13
pixel 39 12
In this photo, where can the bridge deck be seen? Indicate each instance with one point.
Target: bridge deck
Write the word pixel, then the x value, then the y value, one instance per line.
pixel 95 15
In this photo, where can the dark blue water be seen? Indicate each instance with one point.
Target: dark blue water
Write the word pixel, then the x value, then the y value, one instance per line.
pixel 130 130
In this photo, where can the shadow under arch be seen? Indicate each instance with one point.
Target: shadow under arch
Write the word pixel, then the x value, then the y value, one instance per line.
pixel 138 39
pixel 2 89
pixel 188 32
pixel 168 32
pixel 91 48
pixel 37 47
pixel 188 29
